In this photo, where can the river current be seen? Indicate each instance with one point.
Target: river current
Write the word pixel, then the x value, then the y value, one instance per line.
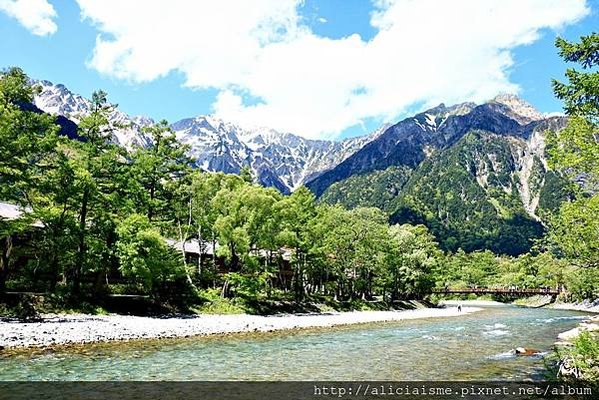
pixel 470 347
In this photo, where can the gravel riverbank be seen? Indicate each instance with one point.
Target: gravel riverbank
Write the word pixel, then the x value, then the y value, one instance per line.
pixel 590 325
pixel 589 306
pixel 81 328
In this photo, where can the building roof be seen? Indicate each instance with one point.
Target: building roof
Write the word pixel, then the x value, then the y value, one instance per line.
pixel 9 211
pixel 192 246
pixel 13 212
pixel 284 252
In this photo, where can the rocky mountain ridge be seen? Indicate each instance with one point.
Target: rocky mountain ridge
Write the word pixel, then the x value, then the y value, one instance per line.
pixel 413 139
pixel 58 100
pixel 282 160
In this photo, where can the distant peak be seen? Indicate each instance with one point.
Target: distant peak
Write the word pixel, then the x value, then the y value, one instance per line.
pixel 507 97
pixel 142 120
pixel 436 110
pixel 519 107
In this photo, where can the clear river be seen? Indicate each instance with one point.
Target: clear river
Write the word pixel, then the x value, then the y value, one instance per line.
pixel 470 347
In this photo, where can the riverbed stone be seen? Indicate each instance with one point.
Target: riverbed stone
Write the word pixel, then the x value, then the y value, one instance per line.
pixel 523 351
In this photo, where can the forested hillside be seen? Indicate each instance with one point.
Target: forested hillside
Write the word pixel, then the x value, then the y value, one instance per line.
pixel 487 190
pixel 373 189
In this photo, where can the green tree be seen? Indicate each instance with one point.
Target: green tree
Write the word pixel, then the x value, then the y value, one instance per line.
pixel 56 209
pixel 156 166
pixel 296 213
pixel 575 151
pixel 581 93
pixel 27 140
pixel 204 211
pixel 411 257
pixel 247 228
pixel 145 256
pixel 479 268
pixel 575 231
pixel 246 174
pixel 98 166
pixel 352 246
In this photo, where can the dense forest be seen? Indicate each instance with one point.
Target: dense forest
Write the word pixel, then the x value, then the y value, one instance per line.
pixel 94 218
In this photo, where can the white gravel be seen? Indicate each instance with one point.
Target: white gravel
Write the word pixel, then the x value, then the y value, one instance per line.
pixel 81 328
pixel 471 302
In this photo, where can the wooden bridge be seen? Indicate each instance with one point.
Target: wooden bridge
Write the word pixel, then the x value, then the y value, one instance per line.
pixel 499 291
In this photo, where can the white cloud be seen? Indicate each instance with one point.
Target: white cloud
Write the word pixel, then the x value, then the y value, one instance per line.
pixel 35 15
pixel 425 52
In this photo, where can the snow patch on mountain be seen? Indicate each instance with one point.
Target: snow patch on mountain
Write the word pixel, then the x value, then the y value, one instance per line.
pixel 58 100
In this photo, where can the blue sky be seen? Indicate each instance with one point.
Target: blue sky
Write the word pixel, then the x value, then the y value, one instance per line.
pixel 364 81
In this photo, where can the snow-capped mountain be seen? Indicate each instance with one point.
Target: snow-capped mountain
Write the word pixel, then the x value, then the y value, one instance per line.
pixel 282 160
pixel 58 100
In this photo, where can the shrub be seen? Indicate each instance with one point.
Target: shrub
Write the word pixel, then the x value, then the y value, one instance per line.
pixel 581 361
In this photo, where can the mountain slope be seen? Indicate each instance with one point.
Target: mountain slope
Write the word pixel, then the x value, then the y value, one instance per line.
pixel 371 189
pixel 482 193
pixel 281 160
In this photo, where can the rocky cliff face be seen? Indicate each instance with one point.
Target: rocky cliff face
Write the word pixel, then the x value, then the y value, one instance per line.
pixel 412 140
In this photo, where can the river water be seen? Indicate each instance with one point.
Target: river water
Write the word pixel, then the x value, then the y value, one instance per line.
pixel 470 347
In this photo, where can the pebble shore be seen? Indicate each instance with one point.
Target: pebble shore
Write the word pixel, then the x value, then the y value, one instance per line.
pixel 82 328
pixel 587 306
pixel 590 325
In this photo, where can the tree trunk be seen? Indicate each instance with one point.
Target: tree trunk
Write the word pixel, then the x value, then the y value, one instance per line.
pixel 214 266
pixel 299 284
pixel 200 251
pixel 225 289
pixel 100 280
pixel 234 259
pixel 183 240
pixel 55 272
pixel 82 248
pixel 5 249
pixel 151 205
